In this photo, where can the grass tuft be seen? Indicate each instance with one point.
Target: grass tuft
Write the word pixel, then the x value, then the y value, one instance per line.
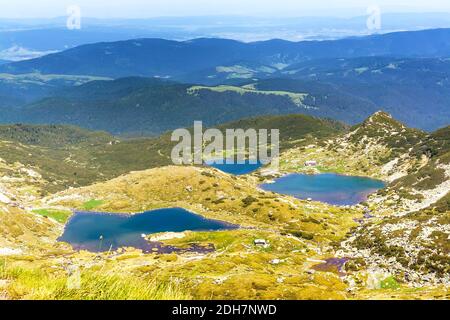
pixel 91 204
pixel 37 284
pixel 59 215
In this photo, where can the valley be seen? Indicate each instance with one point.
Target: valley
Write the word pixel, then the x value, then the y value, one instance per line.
pixel 281 241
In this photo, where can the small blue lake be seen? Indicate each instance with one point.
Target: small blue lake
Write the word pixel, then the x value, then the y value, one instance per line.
pixel 99 232
pixel 330 188
pixel 235 168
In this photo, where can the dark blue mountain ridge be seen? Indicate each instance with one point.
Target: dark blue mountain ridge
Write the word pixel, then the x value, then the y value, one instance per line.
pixel 173 59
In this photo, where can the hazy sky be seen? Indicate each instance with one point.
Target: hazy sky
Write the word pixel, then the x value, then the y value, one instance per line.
pixel 154 8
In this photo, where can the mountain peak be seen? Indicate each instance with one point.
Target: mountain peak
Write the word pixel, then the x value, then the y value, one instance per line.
pixel 382 120
pixel 380 116
pixel 381 128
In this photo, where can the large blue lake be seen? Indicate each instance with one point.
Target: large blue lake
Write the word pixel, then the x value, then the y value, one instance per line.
pixel 235 168
pixel 99 232
pixel 329 188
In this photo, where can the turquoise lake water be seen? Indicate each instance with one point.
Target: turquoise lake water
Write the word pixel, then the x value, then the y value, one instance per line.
pixel 99 232
pixel 329 188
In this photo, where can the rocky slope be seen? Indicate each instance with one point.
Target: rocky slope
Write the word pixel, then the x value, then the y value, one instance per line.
pixel 406 232
pixel 426 176
pixel 378 148
pixel 414 248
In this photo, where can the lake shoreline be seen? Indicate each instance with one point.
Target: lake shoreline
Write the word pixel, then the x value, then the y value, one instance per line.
pixel 343 192
pixel 93 230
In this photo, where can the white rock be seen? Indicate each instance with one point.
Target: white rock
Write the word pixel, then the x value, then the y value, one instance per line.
pixel 4 198
pixel 9 251
pixel 275 261
pixel 260 242
pixel 167 236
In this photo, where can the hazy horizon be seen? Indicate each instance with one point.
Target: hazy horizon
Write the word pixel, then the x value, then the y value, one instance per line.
pixel 141 9
pixel 65 24
pixel 229 16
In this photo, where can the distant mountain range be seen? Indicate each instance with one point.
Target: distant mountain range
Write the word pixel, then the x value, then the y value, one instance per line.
pixel 172 59
pixel 404 73
pixel 43 35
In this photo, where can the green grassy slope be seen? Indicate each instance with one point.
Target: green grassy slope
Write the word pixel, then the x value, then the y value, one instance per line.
pixel 68 156
pixel 51 136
